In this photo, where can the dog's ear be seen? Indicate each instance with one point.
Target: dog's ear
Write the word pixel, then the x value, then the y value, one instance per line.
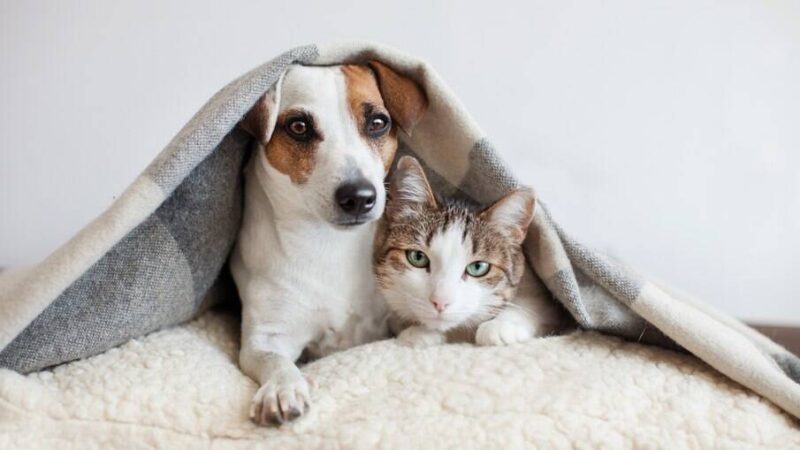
pixel 513 213
pixel 409 188
pixel 260 121
pixel 404 98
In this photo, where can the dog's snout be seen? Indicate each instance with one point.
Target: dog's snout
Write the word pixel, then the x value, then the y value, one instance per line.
pixel 356 197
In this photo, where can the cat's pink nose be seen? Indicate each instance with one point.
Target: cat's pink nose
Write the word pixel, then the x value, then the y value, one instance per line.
pixel 439 304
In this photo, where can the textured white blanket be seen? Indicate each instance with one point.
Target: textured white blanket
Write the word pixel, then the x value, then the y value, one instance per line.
pixel 181 388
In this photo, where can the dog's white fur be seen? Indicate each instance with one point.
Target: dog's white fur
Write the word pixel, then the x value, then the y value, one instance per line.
pixel 304 282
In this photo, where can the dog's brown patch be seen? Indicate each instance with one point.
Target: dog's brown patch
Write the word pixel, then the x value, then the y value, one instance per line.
pixel 256 121
pixel 289 156
pixel 405 99
pixel 363 99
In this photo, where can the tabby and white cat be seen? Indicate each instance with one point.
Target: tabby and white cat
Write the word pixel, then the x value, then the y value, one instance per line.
pixel 444 266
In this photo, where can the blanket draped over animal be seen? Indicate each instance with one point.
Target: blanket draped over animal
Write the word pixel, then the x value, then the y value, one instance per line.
pixel 157 257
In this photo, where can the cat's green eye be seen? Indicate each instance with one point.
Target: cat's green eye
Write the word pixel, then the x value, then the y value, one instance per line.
pixel 417 258
pixel 478 269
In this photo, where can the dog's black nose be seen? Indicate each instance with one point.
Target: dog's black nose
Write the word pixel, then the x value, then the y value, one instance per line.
pixel 356 197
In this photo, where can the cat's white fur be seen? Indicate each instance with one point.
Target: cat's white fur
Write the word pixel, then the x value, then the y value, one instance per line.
pixel 530 314
pixel 443 281
pixel 415 292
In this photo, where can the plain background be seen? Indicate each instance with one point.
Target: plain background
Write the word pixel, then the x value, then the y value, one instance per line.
pixel 664 132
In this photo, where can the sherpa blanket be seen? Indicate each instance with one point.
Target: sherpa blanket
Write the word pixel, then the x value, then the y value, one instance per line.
pixel 157 256
pixel 181 388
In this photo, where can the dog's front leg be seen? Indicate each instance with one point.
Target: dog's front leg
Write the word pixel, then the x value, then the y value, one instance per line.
pixel 284 392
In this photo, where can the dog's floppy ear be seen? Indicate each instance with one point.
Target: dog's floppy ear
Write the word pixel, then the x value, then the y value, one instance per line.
pixel 260 120
pixel 409 188
pixel 404 98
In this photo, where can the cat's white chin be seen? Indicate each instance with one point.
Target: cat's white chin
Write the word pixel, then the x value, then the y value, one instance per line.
pixel 447 322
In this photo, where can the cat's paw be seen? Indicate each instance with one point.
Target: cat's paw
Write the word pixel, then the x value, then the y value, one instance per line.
pixel 283 398
pixel 419 337
pixel 502 332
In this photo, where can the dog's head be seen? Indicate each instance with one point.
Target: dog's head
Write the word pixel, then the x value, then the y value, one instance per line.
pixel 328 136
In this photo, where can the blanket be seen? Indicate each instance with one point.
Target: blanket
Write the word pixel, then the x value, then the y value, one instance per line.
pixel 181 388
pixel 157 256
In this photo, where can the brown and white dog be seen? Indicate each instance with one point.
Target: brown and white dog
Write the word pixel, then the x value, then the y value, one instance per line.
pixel 302 264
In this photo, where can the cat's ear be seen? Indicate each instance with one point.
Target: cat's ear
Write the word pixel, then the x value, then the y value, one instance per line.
pixel 409 187
pixel 513 213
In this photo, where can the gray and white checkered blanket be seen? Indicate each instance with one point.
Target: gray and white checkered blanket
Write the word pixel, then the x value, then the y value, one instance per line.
pixel 157 256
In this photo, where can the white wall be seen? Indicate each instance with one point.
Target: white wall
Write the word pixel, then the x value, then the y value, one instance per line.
pixel 667 133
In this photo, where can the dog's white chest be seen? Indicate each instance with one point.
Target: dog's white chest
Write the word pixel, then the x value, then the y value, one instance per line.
pixel 349 310
pixel 349 328
pixel 307 280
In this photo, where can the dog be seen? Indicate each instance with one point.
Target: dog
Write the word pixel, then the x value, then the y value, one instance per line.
pixel 325 138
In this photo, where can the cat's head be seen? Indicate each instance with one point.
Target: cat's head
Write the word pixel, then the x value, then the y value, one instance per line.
pixel 443 265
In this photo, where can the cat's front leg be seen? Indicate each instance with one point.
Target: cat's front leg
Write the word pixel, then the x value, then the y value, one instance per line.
pixel 511 326
pixel 529 314
pixel 418 336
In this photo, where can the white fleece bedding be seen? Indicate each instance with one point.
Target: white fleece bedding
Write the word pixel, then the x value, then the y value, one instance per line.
pixel 181 388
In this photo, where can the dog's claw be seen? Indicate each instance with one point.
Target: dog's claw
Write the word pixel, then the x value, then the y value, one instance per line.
pixel 294 413
pixel 280 400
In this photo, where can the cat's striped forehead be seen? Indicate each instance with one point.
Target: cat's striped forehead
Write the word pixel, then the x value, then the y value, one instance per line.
pixel 420 225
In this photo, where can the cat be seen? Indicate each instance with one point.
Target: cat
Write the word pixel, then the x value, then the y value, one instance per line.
pixel 444 266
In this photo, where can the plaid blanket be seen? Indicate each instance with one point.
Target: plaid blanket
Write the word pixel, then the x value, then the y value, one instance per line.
pixel 157 256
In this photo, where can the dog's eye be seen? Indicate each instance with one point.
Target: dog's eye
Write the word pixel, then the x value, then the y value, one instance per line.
pixel 377 124
pixel 298 127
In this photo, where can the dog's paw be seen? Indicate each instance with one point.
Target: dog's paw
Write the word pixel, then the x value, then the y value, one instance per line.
pixel 500 332
pixel 283 398
pixel 418 337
